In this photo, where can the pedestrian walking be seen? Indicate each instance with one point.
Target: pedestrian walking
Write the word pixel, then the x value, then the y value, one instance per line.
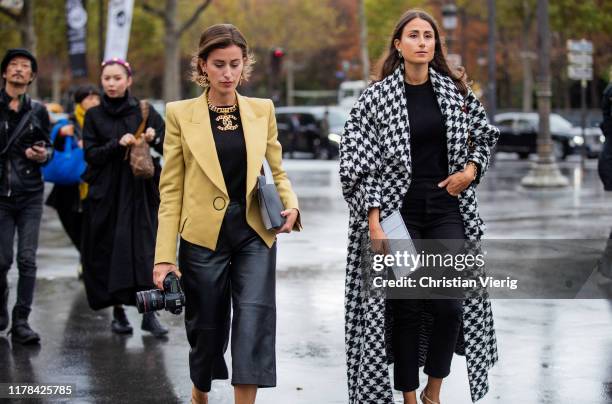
pixel 214 149
pixel 605 172
pixel 120 211
pixel 67 199
pixel 605 157
pixel 406 148
pixel 24 148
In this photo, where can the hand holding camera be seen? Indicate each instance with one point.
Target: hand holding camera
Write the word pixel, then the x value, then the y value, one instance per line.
pixel 161 270
pixel 170 296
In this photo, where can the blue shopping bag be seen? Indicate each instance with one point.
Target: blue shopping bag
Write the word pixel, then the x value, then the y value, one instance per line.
pixel 66 166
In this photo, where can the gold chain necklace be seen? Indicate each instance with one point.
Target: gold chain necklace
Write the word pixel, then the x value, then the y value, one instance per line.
pixel 225 116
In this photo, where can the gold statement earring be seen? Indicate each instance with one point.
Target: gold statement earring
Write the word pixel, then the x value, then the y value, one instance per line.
pixel 202 80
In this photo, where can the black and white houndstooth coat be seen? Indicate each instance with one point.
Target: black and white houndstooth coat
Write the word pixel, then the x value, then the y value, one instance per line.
pixel 375 171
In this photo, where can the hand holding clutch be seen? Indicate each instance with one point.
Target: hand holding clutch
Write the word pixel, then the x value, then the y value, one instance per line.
pixel 290 216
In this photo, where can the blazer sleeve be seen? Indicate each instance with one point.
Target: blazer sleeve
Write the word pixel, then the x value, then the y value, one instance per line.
pixel 171 191
pixel 360 159
pixel 483 135
pixel 274 155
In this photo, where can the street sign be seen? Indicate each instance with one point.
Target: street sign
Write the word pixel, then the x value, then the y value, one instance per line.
pixel 579 72
pixel 582 46
pixel 584 59
pixel 580 58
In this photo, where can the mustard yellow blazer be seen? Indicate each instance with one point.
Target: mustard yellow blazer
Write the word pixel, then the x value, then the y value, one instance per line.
pixel 192 189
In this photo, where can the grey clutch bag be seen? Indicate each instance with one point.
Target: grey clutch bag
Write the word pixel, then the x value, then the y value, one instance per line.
pixel 399 241
pixel 270 203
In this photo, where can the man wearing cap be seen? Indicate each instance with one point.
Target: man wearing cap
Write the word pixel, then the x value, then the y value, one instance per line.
pixel 24 148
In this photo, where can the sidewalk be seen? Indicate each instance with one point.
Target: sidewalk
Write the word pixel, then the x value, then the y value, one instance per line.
pixel 551 351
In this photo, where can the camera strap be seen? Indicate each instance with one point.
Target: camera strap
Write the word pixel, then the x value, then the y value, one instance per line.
pixel 19 129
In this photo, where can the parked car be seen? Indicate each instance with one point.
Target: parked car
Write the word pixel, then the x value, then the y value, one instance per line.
pixel 518 134
pixel 312 130
pixel 349 92
pixel 593 131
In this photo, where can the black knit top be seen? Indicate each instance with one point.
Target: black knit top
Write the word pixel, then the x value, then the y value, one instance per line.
pixel 427 133
pixel 231 150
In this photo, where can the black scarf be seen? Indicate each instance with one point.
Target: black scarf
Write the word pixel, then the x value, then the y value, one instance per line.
pixel 119 106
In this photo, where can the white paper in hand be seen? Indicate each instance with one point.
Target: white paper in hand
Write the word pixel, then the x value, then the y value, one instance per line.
pixel 399 241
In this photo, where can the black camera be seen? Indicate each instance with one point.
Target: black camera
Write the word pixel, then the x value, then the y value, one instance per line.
pixel 171 298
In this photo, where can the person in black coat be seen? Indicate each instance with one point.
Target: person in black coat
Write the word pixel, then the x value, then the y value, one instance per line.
pixel 120 211
pixel 66 199
pixel 605 158
pixel 24 149
pixel 605 172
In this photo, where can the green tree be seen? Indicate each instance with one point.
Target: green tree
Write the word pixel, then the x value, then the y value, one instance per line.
pixel 303 28
pixel 382 15
pixel 22 20
pixel 173 30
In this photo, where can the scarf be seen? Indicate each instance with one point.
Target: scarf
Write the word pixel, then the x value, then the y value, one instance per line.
pixel 79 115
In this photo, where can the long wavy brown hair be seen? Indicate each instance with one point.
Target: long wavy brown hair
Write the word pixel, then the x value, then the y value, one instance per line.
pixel 391 59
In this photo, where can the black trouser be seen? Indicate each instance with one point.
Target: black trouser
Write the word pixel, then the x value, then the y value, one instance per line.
pixel 21 213
pixel 429 213
pixel 239 274
pixel 66 201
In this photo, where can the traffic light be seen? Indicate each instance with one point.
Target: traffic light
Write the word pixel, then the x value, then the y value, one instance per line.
pixel 276 60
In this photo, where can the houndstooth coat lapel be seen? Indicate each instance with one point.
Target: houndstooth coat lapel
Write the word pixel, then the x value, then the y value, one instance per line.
pixel 375 171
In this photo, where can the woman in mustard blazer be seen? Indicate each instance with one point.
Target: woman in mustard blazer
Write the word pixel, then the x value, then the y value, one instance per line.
pixel 214 148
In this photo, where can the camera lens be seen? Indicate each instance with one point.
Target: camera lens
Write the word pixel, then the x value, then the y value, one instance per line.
pixel 149 300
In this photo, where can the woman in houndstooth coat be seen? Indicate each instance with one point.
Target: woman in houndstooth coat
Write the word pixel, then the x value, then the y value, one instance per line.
pixel 376 171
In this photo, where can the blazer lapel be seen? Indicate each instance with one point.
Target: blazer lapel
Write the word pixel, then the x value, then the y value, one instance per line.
pixel 199 137
pixel 255 137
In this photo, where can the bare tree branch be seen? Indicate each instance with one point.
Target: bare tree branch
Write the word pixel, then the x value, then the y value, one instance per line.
pixel 6 12
pixel 194 17
pixel 154 11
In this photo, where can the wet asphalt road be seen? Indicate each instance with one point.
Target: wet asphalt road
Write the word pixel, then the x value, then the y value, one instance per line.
pixel 551 351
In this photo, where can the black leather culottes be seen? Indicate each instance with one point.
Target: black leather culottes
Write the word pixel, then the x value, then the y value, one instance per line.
pixel 238 277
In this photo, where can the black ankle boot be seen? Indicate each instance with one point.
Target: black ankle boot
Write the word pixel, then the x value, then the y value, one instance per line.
pixel 4 315
pixel 151 323
pixel 21 332
pixel 120 324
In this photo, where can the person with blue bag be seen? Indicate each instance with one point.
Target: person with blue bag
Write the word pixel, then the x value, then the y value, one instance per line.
pixel 68 164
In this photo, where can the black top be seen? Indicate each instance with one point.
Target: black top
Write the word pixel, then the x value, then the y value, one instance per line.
pixel 18 174
pixel 104 125
pixel 231 150
pixel 427 134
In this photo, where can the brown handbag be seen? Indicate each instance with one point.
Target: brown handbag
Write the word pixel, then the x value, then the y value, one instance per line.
pixel 139 153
